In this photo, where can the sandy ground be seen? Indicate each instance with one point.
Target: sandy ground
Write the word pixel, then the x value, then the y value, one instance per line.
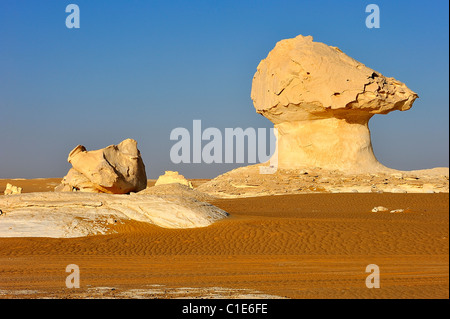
pixel 48 184
pixel 290 246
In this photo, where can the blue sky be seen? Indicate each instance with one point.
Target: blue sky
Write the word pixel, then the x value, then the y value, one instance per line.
pixel 138 69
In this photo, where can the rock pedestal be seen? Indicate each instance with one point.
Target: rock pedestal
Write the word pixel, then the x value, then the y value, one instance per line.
pixel 321 101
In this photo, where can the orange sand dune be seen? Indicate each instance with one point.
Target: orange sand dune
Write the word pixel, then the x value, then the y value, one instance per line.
pixel 294 246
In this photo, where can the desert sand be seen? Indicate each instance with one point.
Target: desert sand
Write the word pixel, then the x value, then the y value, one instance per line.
pixel 286 246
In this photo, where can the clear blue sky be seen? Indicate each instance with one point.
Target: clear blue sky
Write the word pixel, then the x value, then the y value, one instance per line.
pixel 138 69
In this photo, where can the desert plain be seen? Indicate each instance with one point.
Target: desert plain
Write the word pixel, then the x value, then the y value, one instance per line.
pixel 284 246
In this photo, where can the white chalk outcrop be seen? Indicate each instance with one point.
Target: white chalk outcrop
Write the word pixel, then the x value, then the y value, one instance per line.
pixel 172 177
pixel 64 215
pixel 12 190
pixel 116 169
pixel 321 101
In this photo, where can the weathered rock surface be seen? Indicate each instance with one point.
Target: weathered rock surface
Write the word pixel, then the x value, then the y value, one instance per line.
pixel 248 182
pixel 176 190
pixel 53 214
pixel 171 177
pixel 321 101
pixel 12 190
pixel 116 169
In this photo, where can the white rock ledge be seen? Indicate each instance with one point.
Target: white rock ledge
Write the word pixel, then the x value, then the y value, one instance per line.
pixel 66 215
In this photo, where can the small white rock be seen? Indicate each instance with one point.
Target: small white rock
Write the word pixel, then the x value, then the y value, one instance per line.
pixel 397 211
pixel 398 190
pixel 379 209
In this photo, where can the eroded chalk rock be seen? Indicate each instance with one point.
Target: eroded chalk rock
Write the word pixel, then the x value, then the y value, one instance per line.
pixel 394 211
pixel 12 190
pixel 321 101
pixel 379 209
pixel 248 182
pixel 78 214
pixel 116 169
pixel 171 177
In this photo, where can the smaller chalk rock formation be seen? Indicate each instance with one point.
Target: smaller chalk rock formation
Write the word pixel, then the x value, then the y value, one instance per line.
pixel 116 169
pixel 12 190
pixel 321 101
pixel 177 190
pixel 171 177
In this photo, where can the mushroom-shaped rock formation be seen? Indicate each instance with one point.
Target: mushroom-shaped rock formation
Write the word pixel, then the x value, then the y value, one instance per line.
pixel 116 169
pixel 171 177
pixel 321 101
